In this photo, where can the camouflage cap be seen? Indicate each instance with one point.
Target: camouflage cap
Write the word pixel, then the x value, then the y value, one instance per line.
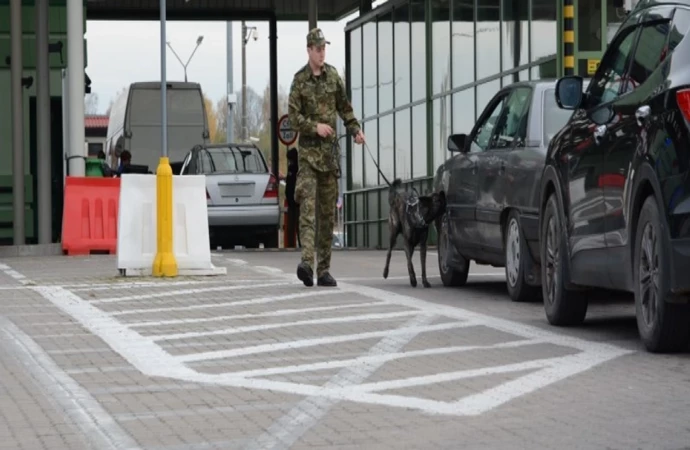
pixel 315 37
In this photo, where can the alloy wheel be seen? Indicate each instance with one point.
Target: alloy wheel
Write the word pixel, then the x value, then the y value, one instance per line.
pixel 649 274
pixel 513 252
pixel 552 259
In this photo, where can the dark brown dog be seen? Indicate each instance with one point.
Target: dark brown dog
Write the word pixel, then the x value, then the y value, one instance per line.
pixel 410 215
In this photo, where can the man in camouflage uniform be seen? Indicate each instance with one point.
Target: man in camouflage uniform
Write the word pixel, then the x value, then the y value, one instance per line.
pixel 317 95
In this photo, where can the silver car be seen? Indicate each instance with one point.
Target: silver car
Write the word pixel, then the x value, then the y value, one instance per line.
pixel 241 192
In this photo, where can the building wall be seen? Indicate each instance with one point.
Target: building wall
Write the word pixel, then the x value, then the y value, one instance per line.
pixel 418 71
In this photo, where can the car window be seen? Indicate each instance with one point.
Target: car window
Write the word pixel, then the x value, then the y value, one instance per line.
pixel 510 123
pixel 480 142
pixel 649 53
pixel 233 160
pixel 607 82
pixel 555 118
pixel 679 27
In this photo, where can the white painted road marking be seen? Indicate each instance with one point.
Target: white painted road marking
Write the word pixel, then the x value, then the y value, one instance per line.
pixel 144 353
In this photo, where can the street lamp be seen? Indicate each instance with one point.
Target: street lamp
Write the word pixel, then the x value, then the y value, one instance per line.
pixel 199 40
pixel 247 33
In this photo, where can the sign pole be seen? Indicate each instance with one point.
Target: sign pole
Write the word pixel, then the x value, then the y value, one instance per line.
pixel 164 265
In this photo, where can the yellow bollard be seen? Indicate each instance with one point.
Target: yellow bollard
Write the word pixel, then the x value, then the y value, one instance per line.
pixel 164 265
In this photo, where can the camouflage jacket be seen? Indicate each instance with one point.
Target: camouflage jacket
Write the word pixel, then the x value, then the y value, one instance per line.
pixel 317 100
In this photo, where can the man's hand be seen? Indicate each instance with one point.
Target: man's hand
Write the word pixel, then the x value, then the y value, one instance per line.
pixel 324 130
pixel 359 138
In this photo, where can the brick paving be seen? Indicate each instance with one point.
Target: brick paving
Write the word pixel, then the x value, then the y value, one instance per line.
pixel 254 360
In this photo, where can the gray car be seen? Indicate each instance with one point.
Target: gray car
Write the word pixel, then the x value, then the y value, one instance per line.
pixel 491 186
pixel 241 193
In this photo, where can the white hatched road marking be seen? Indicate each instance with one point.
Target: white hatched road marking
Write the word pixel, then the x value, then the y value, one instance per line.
pixel 149 357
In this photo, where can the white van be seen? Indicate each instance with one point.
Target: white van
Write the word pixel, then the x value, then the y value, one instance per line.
pixel 135 123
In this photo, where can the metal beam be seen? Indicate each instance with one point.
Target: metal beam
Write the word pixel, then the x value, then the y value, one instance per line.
pixel 230 123
pixel 43 126
pixel 16 66
pixel 75 80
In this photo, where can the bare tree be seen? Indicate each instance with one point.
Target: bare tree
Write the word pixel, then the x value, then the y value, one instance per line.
pixel 91 104
pixel 255 116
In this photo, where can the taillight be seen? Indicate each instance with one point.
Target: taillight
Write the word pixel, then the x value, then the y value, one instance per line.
pixel 683 99
pixel 271 188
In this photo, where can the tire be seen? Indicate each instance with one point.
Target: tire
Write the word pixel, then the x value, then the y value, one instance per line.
pixel 562 307
pixel 270 240
pixel 516 253
pixel 663 326
pixel 449 276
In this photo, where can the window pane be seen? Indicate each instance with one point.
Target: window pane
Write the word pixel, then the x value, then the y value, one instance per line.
pixel 440 41
pixel 481 139
pixel 589 34
pixel 511 127
pixel 463 111
pixel 442 125
pixel 419 147
pixel 401 17
pixel 515 28
pixel 369 70
pixel 485 93
pixel 386 146
pixel 385 52
pixel 488 39
pixel 371 174
pixel 544 39
pixel 403 137
pixel 463 42
pixel 418 30
pixel 648 54
pixel 357 167
pixel 356 71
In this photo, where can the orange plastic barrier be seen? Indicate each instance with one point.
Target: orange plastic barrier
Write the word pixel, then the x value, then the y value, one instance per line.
pixel 89 220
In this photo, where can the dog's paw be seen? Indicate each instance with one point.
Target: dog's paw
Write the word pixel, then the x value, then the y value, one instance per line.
pixel 426 284
pixel 413 282
pixel 385 272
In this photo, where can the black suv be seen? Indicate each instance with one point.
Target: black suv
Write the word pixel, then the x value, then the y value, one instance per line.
pixel 615 191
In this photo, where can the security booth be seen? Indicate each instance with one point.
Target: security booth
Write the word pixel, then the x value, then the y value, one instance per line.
pixel 587 28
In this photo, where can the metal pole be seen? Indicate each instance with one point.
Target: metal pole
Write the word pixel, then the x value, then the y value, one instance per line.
pixel 65 122
pixel 164 92
pixel 43 163
pixel 273 57
pixel 313 13
pixel 244 82
pixel 16 66
pixel 75 62
pixel 229 133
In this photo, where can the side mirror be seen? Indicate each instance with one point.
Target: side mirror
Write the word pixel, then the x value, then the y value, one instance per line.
pixel 569 92
pixel 456 143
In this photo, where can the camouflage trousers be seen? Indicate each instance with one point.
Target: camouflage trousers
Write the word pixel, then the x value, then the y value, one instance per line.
pixel 317 194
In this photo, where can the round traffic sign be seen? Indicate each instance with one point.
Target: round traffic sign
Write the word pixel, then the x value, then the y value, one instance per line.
pixel 286 134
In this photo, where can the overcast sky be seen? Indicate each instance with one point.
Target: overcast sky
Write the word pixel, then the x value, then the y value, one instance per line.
pixel 120 53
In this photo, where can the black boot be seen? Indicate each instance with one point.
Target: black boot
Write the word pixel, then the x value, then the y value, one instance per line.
pixel 305 274
pixel 326 280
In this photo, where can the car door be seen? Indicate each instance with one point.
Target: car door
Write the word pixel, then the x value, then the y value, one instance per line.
pixel 494 181
pixel 633 110
pixel 465 172
pixel 592 133
pixel 461 198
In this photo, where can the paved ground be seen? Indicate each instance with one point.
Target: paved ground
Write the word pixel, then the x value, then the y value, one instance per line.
pixel 255 360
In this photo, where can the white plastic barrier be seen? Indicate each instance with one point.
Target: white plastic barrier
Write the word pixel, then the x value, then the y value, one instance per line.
pixel 136 226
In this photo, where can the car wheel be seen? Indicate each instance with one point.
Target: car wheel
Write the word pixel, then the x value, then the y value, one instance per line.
pixel 450 276
pixel 516 255
pixel 663 326
pixel 562 307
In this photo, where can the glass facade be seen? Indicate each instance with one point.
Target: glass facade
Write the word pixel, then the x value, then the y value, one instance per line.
pixel 419 70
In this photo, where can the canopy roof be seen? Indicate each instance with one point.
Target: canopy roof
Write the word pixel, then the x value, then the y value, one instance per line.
pixel 286 10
